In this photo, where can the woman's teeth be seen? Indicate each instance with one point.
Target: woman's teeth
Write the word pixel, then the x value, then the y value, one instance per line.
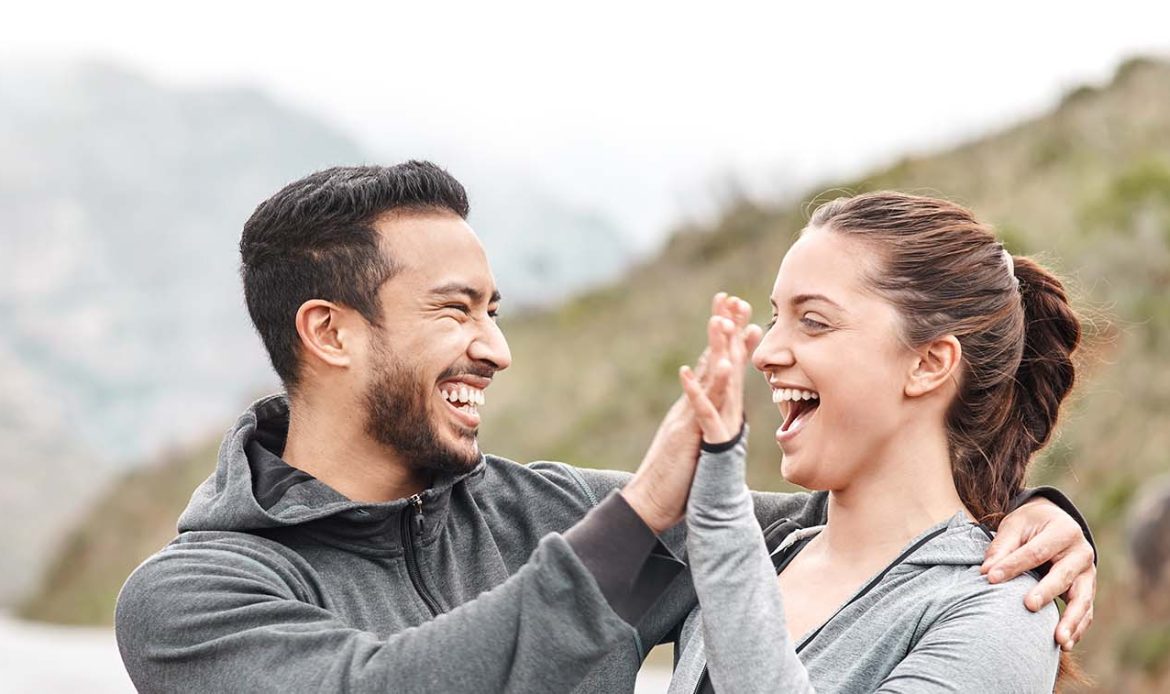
pixel 463 395
pixel 780 395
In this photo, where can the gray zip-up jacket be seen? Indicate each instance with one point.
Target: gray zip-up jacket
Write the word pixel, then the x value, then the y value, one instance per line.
pixel 278 583
pixel 928 623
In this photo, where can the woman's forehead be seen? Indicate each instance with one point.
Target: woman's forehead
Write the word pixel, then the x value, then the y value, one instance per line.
pixel 823 262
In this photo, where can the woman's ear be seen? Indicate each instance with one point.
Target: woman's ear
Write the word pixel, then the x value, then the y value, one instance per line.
pixel 323 336
pixel 936 364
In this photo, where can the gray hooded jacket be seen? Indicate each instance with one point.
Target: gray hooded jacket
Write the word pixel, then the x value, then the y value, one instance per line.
pixel 276 582
pixel 510 578
pixel 930 622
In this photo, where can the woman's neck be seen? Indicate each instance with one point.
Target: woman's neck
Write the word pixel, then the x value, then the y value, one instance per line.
pixel 906 489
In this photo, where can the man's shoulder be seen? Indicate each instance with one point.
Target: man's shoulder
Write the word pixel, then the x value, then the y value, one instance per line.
pixel 590 485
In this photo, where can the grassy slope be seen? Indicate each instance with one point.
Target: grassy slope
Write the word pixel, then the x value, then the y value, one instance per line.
pixel 1088 186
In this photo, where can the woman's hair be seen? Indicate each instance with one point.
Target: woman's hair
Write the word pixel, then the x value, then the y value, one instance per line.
pixel 946 274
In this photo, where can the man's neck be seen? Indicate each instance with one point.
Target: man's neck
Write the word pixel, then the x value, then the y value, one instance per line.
pixel 330 443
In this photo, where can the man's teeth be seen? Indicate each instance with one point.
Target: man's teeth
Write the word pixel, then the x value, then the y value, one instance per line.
pixel 785 394
pixel 464 395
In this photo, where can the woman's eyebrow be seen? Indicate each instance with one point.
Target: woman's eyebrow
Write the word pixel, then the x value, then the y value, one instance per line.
pixel 806 298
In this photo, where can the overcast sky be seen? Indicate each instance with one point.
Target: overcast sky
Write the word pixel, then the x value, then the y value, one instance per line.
pixel 642 109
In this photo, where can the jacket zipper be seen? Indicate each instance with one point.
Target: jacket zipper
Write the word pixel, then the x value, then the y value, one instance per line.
pixel 416 513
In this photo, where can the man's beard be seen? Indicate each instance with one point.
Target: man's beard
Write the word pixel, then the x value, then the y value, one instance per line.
pixel 397 416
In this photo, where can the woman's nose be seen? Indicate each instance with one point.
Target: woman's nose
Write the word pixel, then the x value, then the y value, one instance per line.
pixel 773 351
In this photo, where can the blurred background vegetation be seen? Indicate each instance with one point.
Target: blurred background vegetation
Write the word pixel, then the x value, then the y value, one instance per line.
pixel 1085 187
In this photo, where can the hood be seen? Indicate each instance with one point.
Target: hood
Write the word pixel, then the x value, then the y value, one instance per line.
pixel 253 489
pixel 957 541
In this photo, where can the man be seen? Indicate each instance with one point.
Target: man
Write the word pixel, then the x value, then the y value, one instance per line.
pixel 353 536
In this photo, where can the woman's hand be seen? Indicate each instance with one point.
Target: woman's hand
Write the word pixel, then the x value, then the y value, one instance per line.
pixel 659 490
pixel 718 406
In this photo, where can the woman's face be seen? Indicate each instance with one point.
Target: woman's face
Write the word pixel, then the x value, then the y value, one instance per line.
pixel 835 363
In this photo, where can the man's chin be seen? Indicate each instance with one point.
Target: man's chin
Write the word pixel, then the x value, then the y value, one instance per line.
pixel 460 457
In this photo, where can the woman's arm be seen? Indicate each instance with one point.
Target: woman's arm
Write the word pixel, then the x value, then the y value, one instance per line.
pixel 744 630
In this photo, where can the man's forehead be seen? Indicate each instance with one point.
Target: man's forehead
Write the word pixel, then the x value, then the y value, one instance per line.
pixel 438 253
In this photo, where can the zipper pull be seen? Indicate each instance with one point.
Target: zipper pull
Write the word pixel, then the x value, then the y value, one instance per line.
pixel 416 501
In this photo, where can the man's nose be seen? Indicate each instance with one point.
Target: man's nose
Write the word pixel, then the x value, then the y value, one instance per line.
pixel 491 346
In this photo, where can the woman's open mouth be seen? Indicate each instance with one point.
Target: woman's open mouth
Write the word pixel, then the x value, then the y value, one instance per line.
pixel 797 405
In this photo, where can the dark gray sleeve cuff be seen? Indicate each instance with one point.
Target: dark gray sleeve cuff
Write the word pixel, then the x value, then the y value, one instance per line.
pixel 1063 502
pixel 630 565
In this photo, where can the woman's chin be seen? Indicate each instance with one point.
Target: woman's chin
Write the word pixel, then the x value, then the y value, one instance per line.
pixel 791 471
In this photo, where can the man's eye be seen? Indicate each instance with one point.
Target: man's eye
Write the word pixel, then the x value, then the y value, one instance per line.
pixel 494 314
pixel 462 308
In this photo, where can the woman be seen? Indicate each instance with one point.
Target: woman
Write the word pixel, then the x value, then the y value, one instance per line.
pixel 917 366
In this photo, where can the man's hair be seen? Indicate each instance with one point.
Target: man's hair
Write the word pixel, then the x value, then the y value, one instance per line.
pixel 315 239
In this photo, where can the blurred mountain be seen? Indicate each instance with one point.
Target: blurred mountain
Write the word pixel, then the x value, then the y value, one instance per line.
pixel 124 332
pixel 1086 187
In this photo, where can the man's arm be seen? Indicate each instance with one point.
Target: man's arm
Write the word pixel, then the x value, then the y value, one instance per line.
pixel 222 616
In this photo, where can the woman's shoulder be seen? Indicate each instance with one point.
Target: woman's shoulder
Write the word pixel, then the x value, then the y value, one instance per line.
pixel 972 604
pixel 968 594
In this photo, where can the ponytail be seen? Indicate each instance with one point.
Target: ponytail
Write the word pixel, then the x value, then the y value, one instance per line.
pixel 1046 375
pixel 997 423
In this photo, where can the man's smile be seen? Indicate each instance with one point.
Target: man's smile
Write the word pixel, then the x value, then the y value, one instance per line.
pixel 463 397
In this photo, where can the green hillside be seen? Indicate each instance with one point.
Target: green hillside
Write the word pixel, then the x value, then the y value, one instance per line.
pixel 1086 186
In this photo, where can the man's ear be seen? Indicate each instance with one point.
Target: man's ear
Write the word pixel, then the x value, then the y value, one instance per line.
pixel 324 335
pixel 936 363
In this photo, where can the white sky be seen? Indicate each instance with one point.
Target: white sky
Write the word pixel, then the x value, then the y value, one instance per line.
pixel 641 108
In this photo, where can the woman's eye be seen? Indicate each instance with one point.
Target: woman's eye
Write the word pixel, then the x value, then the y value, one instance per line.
pixel 771 324
pixel 813 324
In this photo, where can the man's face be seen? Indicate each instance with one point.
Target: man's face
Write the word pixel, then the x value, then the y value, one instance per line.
pixel 438 347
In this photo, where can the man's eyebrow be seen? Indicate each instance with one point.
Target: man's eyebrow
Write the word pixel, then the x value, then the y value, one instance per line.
pixel 805 298
pixel 472 293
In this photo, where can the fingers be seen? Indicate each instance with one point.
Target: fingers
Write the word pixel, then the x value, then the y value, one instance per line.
pixel 1078 613
pixel 1004 543
pixel 752 335
pixel 1027 556
pixel 733 308
pixel 1059 579
pixel 701 364
pixel 719 345
pixel 730 338
pixel 718 304
pixel 717 339
pixel 710 422
pixel 741 312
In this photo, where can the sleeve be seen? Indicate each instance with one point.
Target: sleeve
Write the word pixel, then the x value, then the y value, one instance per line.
pixel 205 617
pixel 985 641
pixel 744 631
pixel 974 645
pixel 624 556
pixel 1063 502
pixel 662 622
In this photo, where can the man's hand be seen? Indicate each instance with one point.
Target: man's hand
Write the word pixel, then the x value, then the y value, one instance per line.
pixel 1039 532
pixel 659 490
